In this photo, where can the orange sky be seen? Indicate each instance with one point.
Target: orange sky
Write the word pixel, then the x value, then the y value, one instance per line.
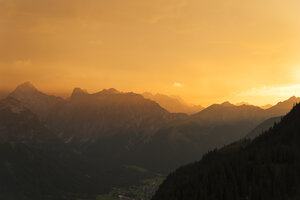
pixel 204 51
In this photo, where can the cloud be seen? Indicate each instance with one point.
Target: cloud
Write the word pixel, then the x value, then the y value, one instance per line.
pixel 176 84
pixel 282 91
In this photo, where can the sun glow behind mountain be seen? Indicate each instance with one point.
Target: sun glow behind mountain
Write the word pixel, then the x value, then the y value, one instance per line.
pixel 203 51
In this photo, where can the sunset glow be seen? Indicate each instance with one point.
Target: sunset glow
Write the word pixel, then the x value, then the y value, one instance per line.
pixel 203 51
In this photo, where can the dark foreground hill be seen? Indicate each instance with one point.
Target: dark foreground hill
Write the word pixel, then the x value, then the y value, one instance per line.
pixel 266 168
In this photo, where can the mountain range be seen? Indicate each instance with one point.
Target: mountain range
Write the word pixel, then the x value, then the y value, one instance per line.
pixel 107 131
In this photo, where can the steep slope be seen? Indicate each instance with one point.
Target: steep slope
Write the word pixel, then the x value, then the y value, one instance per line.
pixel 34 162
pixel 266 168
pixel 36 101
pixel 264 126
pixel 173 104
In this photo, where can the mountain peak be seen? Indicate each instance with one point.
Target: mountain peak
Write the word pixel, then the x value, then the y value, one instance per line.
pixel 78 92
pixel 109 91
pixel 227 103
pixel 242 104
pixel 26 87
pixel 293 98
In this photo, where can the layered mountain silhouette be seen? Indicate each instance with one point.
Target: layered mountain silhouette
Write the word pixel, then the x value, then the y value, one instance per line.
pixel 173 104
pixel 280 108
pixel 218 125
pixel 229 113
pixel 266 168
pixel 277 110
pixel 84 115
pixel 111 129
pixel 116 122
pixel 188 139
pixel 88 117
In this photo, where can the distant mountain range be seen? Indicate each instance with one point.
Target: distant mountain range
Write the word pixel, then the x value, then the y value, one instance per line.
pixel 246 103
pixel 109 130
pixel 173 104
pixel 266 168
pixel 86 117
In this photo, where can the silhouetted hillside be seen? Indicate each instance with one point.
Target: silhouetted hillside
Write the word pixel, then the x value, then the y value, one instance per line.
pixel 266 168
